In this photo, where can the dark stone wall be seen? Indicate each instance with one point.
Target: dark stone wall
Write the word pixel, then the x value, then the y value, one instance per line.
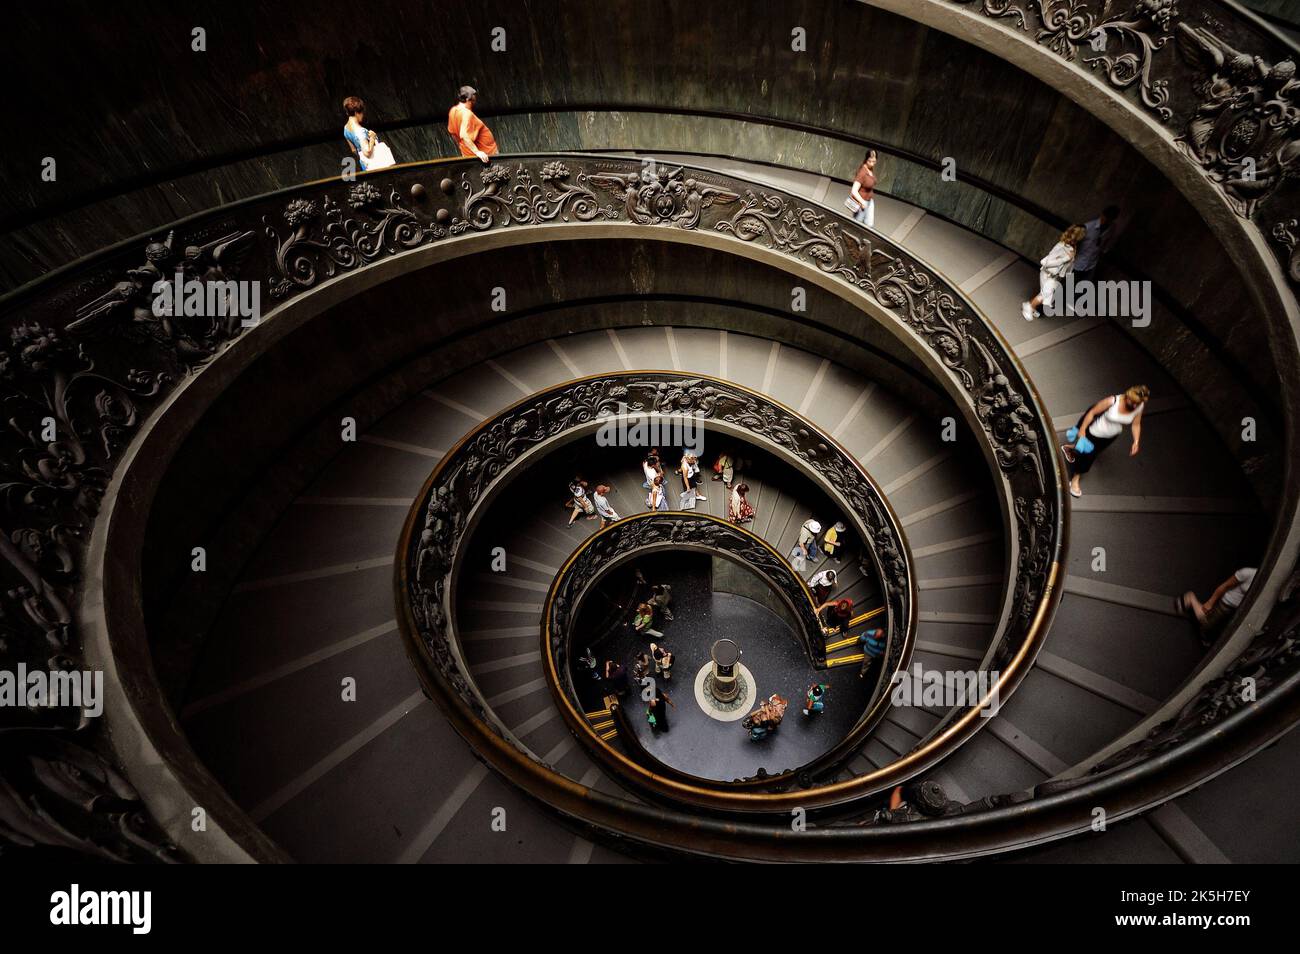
pixel 145 130
pixel 1279 13
pixel 730 577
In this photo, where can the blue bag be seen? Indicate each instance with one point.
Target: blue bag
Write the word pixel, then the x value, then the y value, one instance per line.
pixel 1084 446
pixel 1072 434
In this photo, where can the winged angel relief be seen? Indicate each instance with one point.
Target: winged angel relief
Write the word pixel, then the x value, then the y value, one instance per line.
pixel 127 309
pixel 1245 131
pixel 670 198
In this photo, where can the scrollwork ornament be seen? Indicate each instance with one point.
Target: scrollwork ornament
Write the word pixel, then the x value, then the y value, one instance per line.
pixel 327 238
pixel 485 457
pixel 505 197
pixel 1288 235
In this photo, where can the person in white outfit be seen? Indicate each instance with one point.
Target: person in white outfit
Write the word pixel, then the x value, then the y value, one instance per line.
pixel 1052 269
pixel 651 469
pixel 656 499
pixel 822 584
pixel 808 538
pixel 604 510
pixel 1098 428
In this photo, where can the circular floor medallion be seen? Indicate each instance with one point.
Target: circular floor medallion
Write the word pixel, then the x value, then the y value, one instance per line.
pixel 732 711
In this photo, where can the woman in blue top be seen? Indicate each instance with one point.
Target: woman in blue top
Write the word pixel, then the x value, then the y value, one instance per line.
pixel 371 153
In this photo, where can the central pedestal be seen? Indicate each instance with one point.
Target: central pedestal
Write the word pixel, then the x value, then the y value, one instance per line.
pixel 725 683
pixel 724 687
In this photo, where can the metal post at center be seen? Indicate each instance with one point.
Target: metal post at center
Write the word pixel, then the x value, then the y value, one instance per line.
pixel 725 683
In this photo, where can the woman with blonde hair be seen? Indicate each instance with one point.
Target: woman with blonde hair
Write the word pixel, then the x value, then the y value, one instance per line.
pixel 1052 269
pixel 1098 428
pixel 689 469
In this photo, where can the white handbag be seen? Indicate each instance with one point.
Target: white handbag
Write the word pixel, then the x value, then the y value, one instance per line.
pixel 381 157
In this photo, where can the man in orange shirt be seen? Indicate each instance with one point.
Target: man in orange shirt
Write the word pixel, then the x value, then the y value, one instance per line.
pixel 471 133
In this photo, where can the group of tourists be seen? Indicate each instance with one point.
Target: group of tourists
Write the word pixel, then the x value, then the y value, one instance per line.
pixel 594 505
pixel 814 544
pixel 656 660
pixel 472 137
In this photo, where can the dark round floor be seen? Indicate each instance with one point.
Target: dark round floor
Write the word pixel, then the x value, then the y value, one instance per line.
pixel 700 745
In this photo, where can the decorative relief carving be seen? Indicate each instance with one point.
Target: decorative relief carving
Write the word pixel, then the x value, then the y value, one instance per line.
pixel 65 420
pixel 127 309
pixel 94 367
pixel 54 794
pixel 670 198
pixel 1288 235
pixel 326 239
pixel 1229 96
pixel 1069 27
pixel 658 529
pixel 464 478
pixel 1245 131
pixel 673 529
pixel 507 197
pixel 936 313
pixel 1125 43
pixel 1033 524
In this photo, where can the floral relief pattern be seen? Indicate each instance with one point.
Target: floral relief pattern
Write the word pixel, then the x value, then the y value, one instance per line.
pixel 464 479
pixel 1224 88
pixel 88 357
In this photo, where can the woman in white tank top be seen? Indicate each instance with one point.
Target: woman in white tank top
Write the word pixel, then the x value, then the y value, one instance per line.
pixel 1102 423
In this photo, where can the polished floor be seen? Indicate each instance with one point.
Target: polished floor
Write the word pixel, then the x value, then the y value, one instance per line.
pixel 705 747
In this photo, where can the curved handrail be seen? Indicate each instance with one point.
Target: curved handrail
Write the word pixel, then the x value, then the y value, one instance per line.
pixel 485 460
pixel 644 533
pixel 1211 74
pixel 97 381
pixel 46 552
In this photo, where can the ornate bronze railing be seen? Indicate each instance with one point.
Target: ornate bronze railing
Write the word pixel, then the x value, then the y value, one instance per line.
pixel 455 496
pixel 1215 77
pixel 84 354
pixel 646 533
pixel 87 356
pixel 653 531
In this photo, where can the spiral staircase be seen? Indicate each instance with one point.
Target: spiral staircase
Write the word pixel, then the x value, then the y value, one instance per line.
pixel 318 693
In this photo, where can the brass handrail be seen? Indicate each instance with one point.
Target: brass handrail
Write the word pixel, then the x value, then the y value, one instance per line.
pixel 684 531
pixel 722 404
pixel 56 324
